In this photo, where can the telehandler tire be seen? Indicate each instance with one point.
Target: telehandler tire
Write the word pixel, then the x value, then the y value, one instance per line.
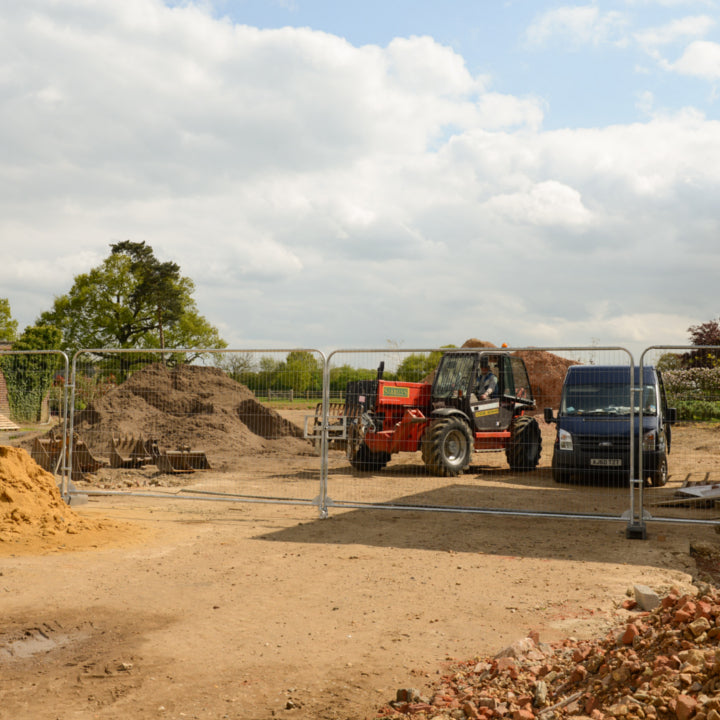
pixel 447 447
pixel 365 460
pixel 525 444
pixel 361 457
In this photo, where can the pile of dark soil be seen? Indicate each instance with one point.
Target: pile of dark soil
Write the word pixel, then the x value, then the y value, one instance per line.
pixel 188 405
pixel 545 369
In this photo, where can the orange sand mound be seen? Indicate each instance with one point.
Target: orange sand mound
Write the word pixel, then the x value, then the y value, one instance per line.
pixel 33 513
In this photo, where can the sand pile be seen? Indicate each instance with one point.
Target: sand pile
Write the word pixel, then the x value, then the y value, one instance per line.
pixel 188 405
pixel 30 502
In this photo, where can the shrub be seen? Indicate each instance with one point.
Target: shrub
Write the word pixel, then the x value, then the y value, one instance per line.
pixel 702 410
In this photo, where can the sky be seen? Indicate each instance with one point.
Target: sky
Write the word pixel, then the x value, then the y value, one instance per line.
pixel 344 174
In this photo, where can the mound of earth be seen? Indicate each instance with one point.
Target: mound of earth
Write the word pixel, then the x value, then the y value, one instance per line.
pixel 188 405
pixel 30 502
pixel 545 369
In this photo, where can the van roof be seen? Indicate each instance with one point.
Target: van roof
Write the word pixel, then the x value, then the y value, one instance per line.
pixel 578 374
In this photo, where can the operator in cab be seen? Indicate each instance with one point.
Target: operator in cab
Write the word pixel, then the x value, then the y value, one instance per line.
pixel 487 382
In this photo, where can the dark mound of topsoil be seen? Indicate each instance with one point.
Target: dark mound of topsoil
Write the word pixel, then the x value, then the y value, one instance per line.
pixel 545 370
pixel 188 405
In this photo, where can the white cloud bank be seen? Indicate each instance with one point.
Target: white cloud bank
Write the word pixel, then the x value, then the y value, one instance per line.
pixel 327 195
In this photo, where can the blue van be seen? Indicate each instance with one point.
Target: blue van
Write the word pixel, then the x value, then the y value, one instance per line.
pixel 593 424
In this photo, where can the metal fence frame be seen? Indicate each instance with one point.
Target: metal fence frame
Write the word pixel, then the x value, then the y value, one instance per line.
pixel 645 515
pixel 69 492
pixel 636 516
pixel 633 515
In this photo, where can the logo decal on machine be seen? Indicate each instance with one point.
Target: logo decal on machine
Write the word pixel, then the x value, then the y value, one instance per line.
pixel 398 392
pixel 484 411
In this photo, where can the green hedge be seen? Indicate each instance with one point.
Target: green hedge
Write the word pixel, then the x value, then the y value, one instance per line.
pixel 705 410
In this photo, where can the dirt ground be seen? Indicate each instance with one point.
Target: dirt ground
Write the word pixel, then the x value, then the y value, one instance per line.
pixel 168 608
pixel 172 609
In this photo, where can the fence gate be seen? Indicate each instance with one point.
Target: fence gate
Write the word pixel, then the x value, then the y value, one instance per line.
pixel 196 424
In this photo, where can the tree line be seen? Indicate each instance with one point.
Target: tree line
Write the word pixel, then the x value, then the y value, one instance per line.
pixel 302 372
pixel 132 300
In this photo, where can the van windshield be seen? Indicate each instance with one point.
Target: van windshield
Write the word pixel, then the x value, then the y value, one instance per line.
pixel 605 399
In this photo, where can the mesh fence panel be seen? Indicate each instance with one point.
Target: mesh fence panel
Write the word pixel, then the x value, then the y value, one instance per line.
pixel 378 427
pixel 691 379
pixel 227 424
pixel 33 401
pixel 396 461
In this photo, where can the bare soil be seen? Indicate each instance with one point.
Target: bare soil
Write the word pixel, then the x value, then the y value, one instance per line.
pixel 168 608
pixel 151 608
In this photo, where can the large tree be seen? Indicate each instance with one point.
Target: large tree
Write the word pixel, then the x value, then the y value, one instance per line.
pixel 131 300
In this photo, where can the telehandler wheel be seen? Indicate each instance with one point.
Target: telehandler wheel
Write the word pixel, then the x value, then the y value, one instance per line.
pixel 523 448
pixel 361 457
pixel 365 460
pixel 447 447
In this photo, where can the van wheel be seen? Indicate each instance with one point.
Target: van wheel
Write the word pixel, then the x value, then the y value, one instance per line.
pixel 561 476
pixel 660 476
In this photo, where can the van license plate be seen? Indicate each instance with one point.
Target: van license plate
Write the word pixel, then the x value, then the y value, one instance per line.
pixel 606 462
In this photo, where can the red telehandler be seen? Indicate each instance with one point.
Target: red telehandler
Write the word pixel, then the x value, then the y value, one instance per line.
pixel 445 419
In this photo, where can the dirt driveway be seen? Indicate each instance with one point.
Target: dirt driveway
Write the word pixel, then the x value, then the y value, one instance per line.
pixel 197 610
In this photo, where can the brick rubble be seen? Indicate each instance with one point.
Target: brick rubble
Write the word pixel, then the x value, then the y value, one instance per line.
pixel 662 664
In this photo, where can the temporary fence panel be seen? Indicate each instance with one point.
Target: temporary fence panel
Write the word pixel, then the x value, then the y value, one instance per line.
pixel 33 404
pixel 691 380
pixel 385 449
pixel 226 425
pixel 289 426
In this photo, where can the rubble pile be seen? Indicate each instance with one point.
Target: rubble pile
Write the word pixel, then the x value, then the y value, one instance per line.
pixel 664 663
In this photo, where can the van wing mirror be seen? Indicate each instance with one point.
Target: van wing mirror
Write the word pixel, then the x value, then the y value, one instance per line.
pixel 671 416
pixel 548 413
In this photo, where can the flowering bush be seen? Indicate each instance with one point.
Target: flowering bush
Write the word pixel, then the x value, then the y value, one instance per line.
pixel 695 392
pixel 697 383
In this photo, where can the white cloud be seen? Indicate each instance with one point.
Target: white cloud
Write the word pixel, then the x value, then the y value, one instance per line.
pixel 634 331
pixel 548 203
pixel 677 30
pixel 311 186
pixel 580 25
pixel 700 59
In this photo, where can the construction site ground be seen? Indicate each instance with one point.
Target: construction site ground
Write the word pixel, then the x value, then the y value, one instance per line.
pixel 145 608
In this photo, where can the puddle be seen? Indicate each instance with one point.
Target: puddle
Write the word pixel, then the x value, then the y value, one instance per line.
pixel 33 641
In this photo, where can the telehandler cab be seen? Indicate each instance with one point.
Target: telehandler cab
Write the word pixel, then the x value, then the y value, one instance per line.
pixel 446 419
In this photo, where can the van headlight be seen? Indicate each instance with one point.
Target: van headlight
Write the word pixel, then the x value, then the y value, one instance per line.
pixel 565 440
pixel 649 440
